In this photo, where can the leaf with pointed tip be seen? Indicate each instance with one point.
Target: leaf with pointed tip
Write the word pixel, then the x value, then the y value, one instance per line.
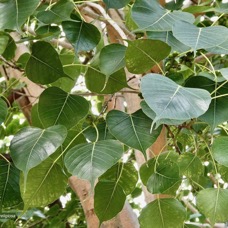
pixel 30 146
pixel 58 107
pixel 13 13
pixel 150 16
pixel 132 129
pixel 116 4
pixel 199 38
pixel 116 183
pixel 141 55
pixel 213 204
pixel 45 183
pixel 109 65
pixel 219 49
pixel 9 185
pixel 161 213
pixel 44 65
pixel 3 112
pixel 83 36
pixel 172 101
pixel 90 160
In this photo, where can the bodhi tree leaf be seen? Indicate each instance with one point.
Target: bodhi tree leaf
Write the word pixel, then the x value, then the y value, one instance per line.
pixel 30 146
pixel 4 38
pixel 213 204
pixel 172 101
pixel 83 36
pixel 100 83
pixel 161 213
pixel 112 58
pixel 141 55
pixel 14 13
pixel 219 49
pixel 199 38
pixel 90 160
pixel 116 183
pixel 9 185
pixel 220 150
pixel 45 183
pixel 132 129
pixel 150 16
pixel 116 4
pixel 3 112
pixel 44 65
pixel 224 72
pixel 63 108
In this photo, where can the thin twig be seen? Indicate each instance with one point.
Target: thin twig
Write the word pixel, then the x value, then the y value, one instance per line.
pixel 10 64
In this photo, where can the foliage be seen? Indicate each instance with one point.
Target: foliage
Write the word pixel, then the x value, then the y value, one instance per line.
pixel 179 55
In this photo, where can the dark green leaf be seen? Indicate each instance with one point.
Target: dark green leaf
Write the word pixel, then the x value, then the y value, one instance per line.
pixel 10 49
pixel 132 129
pixel 141 55
pixel 163 213
pixel 3 112
pixel 4 38
pixel 213 204
pixel 116 4
pixel 90 160
pixel 58 107
pixel 44 65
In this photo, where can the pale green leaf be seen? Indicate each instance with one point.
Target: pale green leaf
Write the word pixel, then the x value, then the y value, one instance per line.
pixel 219 49
pixel 4 38
pixel 116 4
pixel 224 72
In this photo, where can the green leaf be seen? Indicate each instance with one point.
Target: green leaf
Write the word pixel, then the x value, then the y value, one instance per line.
pixel 132 129
pixel 223 171
pixel 10 49
pixel 199 38
pixel 99 83
pixel 45 183
pixel 30 146
pixel 112 58
pixel 224 72
pixel 3 112
pixel 4 38
pixel 218 109
pixel 58 107
pixel 163 213
pixel 141 55
pixel 13 13
pixel 116 4
pixel 116 183
pixel 44 65
pixel 83 36
pixel 9 185
pixel 150 16
pixel 220 150
pixel 168 38
pixel 172 102
pixel 90 160
pixel 219 49
pixel 59 12
pixel 191 166
pixel 213 204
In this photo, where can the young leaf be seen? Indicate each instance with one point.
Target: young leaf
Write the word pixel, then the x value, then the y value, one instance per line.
pixel 141 55
pixel 199 38
pixel 90 160
pixel 132 129
pixel 45 183
pixel 172 101
pixel 213 204
pixel 3 112
pixel 14 13
pixel 63 108
pixel 30 146
pixel 83 36
pixel 44 65
pixel 150 16
pixel 161 213
pixel 116 4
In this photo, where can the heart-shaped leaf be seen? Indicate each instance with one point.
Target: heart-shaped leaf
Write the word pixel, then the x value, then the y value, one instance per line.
pixel 83 36
pixel 213 204
pixel 172 101
pixel 110 65
pixel 132 129
pixel 3 112
pixel 116 4
pixel 14 13
pixel 219 49
pixel 116 183
pixel 44 65
pixel 58 107
pixel 161 213
pixel 30 146
pixel 141 55
pixel 90 160
pixel 199 38
pixel 150 16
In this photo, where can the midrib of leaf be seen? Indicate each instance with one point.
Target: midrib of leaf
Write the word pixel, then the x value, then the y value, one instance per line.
pixel 216 204
pixel 197 40
pixel 79 35
pixel 17 13
pixel 160 211
pixel 91 162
